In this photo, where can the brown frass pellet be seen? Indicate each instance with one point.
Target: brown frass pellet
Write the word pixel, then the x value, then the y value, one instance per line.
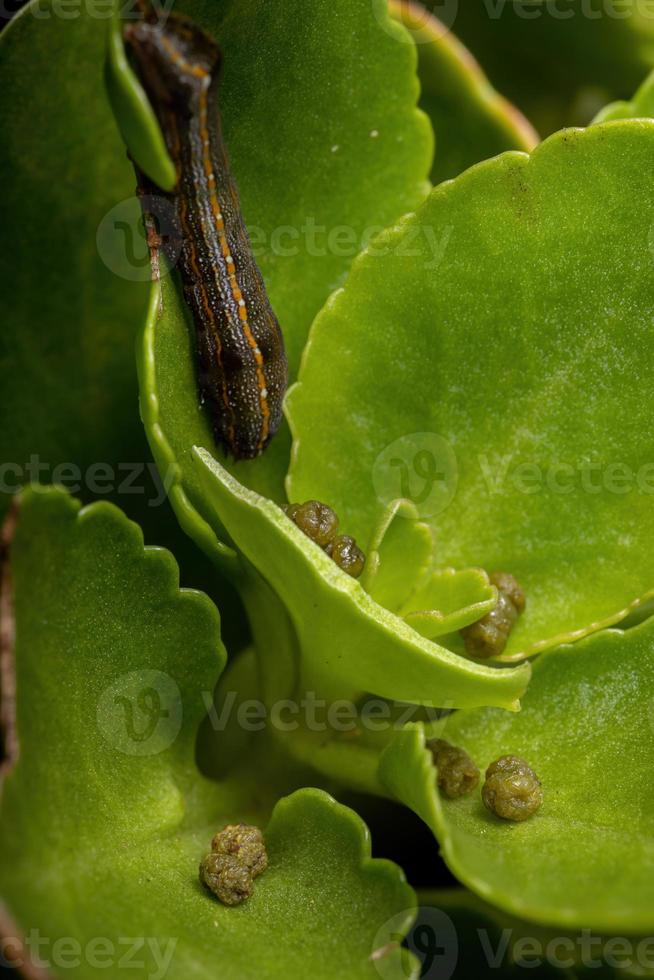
pixel 226 877
pixel 238 855
pixel 320 523
pixel 316 520
pixel 245 843
pixel 512 789
pixel 347 555
pixel 488 636
pixel 457 773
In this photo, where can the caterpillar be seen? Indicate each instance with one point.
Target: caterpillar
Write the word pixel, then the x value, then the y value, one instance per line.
pixel 241 361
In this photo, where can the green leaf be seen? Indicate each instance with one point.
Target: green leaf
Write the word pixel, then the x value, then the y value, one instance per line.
pixel 586 728
pixel 99 594
pixel 559 62
pixel 104 817
pixel 372 644
pixel 66 368
pixel 399 555
pixel 360 645
pixel 69 321
pixel 332 166
pixel 450 600
pixel 78 296
pixel 330 163
pixel 172 414
pixel 471 120
pixel 134 114
pixel 347 642
pixel 507 392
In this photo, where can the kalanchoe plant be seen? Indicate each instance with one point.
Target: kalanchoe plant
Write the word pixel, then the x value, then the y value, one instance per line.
pixel 445 549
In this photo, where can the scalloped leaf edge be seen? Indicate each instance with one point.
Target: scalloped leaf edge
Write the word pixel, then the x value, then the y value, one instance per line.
pixel 385 241
pixel 507 687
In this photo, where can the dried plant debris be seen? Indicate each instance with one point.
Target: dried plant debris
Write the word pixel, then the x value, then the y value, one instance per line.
pixel 457 773
pixel 238 855
pixel 320 523
pixel 488 637
pixel 512 789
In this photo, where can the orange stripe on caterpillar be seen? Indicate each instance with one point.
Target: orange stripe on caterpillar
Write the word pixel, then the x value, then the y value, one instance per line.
pixel 242 367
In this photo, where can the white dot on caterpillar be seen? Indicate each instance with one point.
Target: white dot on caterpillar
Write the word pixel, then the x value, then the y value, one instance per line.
pixel 264 392
pixel 229 260
pixel 241 302
pixel 256 350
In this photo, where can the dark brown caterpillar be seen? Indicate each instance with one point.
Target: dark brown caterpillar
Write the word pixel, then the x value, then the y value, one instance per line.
pixel 488 637
pixel 242 368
